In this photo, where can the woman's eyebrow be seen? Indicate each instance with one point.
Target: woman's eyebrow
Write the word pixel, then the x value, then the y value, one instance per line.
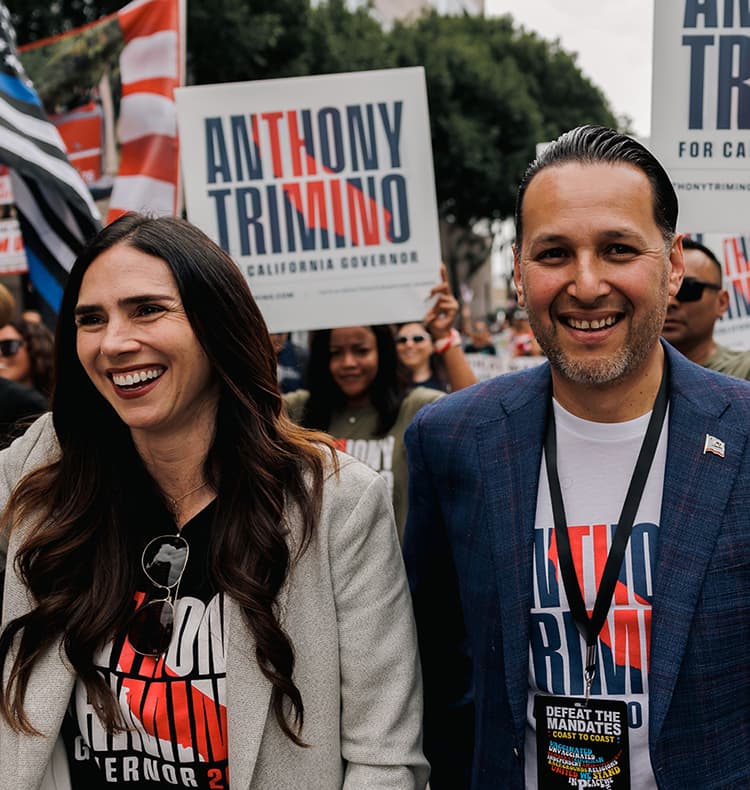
pixel 128 301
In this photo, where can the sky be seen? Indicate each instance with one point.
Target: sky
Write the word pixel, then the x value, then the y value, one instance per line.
pixel 613 41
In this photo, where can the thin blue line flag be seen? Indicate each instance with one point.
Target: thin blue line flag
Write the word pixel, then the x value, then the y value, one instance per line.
pixel 55 209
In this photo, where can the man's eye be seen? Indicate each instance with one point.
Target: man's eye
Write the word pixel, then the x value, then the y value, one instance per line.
pixel 620 249
pixel 553 253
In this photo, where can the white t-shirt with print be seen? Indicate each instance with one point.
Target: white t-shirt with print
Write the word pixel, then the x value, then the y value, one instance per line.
pixel 595 464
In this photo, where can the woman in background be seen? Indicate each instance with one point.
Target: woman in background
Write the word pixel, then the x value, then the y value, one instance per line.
pixel 198 593
pixel 26 354
pixel 431 349
pixel 359 392
pixel 25 369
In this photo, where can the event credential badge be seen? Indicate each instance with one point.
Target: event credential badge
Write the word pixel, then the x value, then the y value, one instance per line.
pixel 581 744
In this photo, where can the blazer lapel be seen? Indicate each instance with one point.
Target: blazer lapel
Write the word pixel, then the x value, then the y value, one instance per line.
pixel 47 696
pixel 510 452
pixel 248 689
pixel 248 698
pixel 697 486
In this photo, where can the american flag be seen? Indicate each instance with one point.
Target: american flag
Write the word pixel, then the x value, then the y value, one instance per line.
pixel 151 67
pixel 150 63
pixel 56 212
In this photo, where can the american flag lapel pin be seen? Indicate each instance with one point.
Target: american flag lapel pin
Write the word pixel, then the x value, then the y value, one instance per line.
pixel 713 445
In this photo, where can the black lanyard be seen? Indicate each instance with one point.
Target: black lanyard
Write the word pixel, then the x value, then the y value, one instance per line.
pixel 589 628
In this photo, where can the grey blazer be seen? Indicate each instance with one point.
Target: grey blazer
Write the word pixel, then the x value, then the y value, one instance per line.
pixel 347 609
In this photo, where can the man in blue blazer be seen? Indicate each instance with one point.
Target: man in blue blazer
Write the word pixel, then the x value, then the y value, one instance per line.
pixel 577 542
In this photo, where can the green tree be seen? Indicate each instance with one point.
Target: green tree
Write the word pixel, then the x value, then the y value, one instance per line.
pixel 494 93
pixel 342 40
pixel 33 21
pixel 237 40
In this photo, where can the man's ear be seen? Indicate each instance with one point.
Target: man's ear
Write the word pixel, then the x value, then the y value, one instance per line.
pixel 722 302
pixel 677 265
pixel 517 276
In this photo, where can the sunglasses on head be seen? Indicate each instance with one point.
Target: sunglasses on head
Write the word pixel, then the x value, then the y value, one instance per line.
pixel 164 560
pixel 403 339
pixel 691 289
pixel 9 348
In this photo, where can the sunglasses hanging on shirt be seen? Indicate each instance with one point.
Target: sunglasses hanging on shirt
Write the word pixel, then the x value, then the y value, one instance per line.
pixel 164 561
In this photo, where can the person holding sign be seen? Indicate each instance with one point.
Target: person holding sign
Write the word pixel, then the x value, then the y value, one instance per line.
pixel 430 349
pixel 417 354
pixel 359 393
pixel 577 535
pixel 198 593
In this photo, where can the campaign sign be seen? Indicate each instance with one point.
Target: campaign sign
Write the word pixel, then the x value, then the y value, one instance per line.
pixel 322 190
pixel 12 251
pixel 487 366
pixel 700 115
pixel 6 190
pixel 733 252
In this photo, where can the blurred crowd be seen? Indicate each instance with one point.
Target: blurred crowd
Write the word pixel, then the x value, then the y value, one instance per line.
pixel 26 365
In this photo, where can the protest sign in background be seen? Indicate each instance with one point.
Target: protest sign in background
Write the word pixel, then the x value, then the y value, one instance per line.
pixel 700 117
pixel 322 190
pixel 12 253
pixel 733 330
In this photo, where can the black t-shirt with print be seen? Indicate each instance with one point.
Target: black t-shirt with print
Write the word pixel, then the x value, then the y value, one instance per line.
pixel 174 705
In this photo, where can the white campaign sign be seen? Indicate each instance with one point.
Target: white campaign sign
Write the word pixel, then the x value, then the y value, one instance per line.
pixel 733 252
pixel 322 190
pixel 12 252
pixel 700 116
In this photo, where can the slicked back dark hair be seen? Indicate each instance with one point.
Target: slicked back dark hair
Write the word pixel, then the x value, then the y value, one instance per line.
pixel 590 145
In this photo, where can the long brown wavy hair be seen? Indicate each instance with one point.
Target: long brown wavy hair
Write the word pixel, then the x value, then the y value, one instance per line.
pixel 81 559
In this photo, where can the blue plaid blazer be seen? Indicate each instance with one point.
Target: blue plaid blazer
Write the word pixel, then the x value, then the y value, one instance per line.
pixel 474 460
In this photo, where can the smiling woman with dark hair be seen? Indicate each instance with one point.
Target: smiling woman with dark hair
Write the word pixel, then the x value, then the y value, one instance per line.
pixel 359 394
pixel 195 586
pixel 416 353
pixel 359 391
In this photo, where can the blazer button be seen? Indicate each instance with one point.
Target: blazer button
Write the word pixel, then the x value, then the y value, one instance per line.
pixel 516 754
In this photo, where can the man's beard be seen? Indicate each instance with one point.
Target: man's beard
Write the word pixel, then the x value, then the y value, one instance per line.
pixel 638 344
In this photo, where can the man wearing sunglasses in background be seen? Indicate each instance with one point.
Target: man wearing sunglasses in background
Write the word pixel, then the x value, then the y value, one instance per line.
pixel 694 310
